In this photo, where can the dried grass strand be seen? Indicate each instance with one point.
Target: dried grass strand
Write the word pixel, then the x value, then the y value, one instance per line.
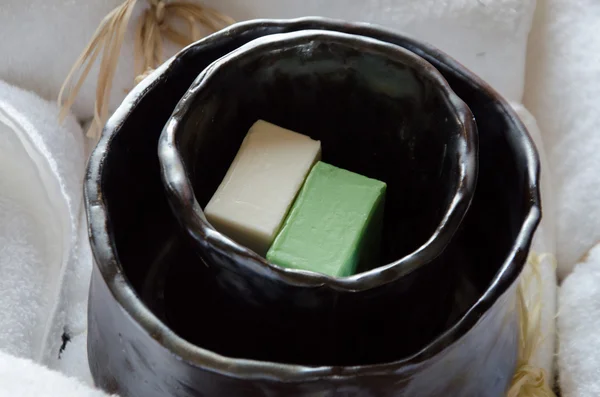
pixel 156 24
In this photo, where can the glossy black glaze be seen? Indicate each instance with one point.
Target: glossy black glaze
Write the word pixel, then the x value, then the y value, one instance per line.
pixel 378 110
pixel 136 246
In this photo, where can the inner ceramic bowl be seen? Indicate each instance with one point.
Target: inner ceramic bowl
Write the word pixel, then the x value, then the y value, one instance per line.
pixel 377 109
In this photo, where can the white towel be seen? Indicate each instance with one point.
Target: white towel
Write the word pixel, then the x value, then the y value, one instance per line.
pixel 544 289
pixel 563 93
pixel 42 234
pixel 578 329
pixel 489 36
pixel 23 378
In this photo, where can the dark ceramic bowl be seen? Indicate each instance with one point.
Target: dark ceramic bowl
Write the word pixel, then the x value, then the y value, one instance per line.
pixel 144 271
pixel 378 110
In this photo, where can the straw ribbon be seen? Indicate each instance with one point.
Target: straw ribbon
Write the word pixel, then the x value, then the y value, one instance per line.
pixel 158 23
pixel 530 381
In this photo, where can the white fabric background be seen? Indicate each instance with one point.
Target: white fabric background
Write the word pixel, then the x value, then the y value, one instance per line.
pixel 489 36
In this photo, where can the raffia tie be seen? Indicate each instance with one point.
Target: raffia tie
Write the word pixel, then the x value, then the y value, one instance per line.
pixel 156 24
pixel 530 381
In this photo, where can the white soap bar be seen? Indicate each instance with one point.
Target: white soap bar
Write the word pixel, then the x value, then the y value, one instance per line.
pixel 261 184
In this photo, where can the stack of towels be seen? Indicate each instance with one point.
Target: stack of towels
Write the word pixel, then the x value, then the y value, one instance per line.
pixel 45 259
pixel 563 92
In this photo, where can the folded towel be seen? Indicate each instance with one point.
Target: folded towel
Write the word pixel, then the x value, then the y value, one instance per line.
pixel 71 318
pixel 41 171
pixel 540 272
pixel 44 38
pixel 489 36
pixel 23 378
pixel 578 325
pixel 42 232
pixel 563 87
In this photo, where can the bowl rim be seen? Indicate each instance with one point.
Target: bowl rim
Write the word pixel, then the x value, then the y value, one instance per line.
pixel 110 269
pixel 191 217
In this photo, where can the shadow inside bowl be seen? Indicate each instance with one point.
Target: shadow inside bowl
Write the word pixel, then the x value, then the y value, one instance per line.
pixel 377 110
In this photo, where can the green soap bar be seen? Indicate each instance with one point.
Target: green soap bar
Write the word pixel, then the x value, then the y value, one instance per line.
pixel 334 224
